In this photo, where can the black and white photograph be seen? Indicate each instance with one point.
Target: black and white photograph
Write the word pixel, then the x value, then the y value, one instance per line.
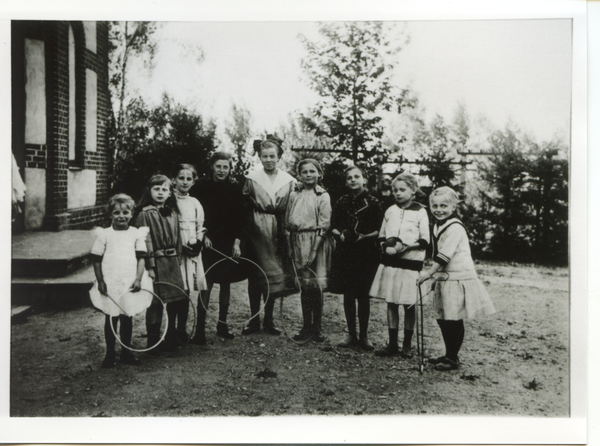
pixel 297 227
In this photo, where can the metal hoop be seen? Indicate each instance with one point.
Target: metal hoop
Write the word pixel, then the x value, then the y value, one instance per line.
pixel 263 304
pixel 190 302
pixel 164 333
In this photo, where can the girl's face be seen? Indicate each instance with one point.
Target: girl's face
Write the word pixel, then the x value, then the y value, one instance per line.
pixel 220 169
pixel 159 194
pixel 309 175
pixel 403 194
pixel 120 217
pixel 184 181
pixel 268 158
pixel 355 181
pixel 441 208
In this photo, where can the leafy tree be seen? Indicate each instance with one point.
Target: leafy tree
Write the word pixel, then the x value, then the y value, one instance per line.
pixel 547 198
pixel 127 40
pixel 436 162
pixel 156 139
pixel 238 131
pixel 351 71
pixel 506 172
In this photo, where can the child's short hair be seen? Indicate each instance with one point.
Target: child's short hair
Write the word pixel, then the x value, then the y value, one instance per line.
pixel 221 156
pixel 409 179
pixel 312 161
pixel 447 192
pixel 360 169
pixel 185 166
pixel 120 199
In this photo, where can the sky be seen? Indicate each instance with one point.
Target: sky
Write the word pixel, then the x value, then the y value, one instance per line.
pixel 517 70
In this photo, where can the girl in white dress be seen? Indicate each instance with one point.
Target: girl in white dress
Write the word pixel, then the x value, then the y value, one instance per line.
pixel 404 236
pixel 460 295
pixel 191 227
pixel 118 258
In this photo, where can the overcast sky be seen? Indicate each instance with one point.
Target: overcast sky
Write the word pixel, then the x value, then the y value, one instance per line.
pixel 503 69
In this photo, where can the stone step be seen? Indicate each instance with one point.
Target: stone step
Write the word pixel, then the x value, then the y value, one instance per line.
pixel 53 292
pixel 50 254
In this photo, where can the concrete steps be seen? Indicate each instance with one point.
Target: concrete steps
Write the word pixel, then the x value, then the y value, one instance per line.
pixel 51 269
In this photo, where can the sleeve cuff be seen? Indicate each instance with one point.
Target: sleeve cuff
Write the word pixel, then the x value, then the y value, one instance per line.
pixel 141 254
pixel 441 259
pixel 96 258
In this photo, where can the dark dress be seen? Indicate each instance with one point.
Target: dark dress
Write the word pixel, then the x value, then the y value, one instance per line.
pixel 223 213
pixel 355 264
pixel 164 250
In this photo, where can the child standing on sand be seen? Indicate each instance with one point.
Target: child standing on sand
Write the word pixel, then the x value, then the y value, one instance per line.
pixel 461 295
pixel 118 258
pixel 404 236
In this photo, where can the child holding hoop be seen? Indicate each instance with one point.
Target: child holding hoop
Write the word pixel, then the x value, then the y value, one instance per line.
pixel 307 222
pixel 158 211
pixel 461 296
pixel 118 258
pixel 355 223
pixel 403 237
pixel 191 221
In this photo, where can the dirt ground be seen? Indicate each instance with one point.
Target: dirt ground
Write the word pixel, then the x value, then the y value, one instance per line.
pixel 515 362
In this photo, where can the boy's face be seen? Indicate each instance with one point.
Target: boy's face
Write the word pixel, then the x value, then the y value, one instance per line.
pixel 120 217
pixel 441 207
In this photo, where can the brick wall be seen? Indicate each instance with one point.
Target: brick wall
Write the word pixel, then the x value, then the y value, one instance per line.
pixel 53 156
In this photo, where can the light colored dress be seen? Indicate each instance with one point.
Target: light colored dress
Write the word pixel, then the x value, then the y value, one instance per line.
pixel 308 215
pixel 462 295
pixel 396 277
pixel 119 267
pixel 266 240
pixel 191 227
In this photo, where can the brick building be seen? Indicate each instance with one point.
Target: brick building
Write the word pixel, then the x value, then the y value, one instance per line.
pixel 61 114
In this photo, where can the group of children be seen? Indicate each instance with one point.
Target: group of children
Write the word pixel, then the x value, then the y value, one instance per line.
pixel 351 248
pixel 159 253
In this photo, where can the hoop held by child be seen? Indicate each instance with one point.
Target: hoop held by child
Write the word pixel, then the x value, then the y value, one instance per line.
pixel 404 236
pixel 266 192
pixel 159 213
pixel 307 222
pixel 118 258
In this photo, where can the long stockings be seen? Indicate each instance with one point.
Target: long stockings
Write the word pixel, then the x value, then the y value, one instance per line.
pixel 255 291
pixel 126 333
pixel 312 308
pixel 364 311
pixel 224 298
pixel 453 333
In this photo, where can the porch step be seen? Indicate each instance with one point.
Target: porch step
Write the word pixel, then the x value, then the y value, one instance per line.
pixel 53 292
pixel 50 254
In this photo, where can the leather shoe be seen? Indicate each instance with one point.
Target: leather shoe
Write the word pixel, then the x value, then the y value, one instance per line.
pixel 348 341
pixel 249 330
pixel 365 344
pixel 446 366
pixel 387 351
pixel 224 332
pixel 272 330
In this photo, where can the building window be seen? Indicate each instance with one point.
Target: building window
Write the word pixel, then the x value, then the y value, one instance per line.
pixel 72 86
